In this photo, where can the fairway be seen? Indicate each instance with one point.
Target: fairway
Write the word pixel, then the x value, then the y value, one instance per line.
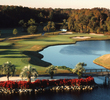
pixel 24 51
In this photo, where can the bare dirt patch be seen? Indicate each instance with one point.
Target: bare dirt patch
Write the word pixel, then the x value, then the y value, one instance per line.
pixel 35 48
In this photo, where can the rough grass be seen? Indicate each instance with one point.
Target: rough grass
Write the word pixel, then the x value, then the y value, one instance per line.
pixel 23 50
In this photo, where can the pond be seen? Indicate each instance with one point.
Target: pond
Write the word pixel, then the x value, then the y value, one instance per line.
pixel 70 55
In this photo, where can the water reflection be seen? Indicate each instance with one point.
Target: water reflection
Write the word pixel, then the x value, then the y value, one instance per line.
pixel 78 50
pixel 87 48
pixel 96 94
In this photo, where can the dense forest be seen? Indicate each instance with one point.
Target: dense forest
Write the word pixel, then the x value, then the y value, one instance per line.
pixel 79 20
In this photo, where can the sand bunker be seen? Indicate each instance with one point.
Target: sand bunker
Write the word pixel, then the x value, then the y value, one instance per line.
pixel 79 37
pixel 66 33
pixel 96 34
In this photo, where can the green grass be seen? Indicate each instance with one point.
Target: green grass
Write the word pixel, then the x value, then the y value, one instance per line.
pixel 48 40
pixel 4 44
pixel 22 52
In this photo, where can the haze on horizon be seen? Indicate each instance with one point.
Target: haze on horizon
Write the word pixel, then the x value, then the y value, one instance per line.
pixel 74 4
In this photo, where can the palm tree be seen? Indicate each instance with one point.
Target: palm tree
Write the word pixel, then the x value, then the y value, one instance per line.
pixel 79 69
pixel 8 69
pixel 29 72
pixel 51 70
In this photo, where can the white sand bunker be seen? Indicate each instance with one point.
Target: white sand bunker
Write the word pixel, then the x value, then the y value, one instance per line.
pixel 96 34
pixel 81 37
pixel 66 33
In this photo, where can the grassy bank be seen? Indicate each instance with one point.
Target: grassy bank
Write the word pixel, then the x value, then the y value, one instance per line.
pixel 24 50
pixel 103 61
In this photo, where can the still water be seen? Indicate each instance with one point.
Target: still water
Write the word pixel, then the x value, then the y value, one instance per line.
pixel 96 94
pixel 70 55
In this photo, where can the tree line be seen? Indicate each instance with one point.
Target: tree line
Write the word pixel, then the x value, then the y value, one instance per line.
pixel 90 20
pixel 79 20
pixel 11 15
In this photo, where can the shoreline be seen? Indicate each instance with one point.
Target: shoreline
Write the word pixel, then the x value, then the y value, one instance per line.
pixel 80 40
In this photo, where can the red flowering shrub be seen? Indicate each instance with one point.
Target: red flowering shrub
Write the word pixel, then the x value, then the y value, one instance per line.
pixel 8 84
pixel 44 83
pixel 52 83
pixel 24 84
pixel 37 83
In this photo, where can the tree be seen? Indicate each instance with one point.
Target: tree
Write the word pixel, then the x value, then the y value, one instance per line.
pixel 31 22
pixel 51 70
pixel 71 24
pixel 45 28
pixel 41 23
pixel 64 26
pixel 40 15
pixel 32 29
pixel 15 31
pixel 52 26
pixel 23 24
pixel 64 21
pixel 0 33
pixel 79 69
pixel 108 25
pixel 49 26
pixel 29 72
pixel 51 15
pixel 8 68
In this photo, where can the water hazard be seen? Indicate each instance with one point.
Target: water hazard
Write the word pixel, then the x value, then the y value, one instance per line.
pixel 70 55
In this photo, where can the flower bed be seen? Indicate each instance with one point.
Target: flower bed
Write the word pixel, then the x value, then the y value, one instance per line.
pixel 42 85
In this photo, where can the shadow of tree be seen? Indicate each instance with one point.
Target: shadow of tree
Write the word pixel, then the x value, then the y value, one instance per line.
pixel 35 58
pixel 13 57
pixel 9 52
pixel 11 46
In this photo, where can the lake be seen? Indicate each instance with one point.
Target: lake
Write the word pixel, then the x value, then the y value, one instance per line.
pixel 69 55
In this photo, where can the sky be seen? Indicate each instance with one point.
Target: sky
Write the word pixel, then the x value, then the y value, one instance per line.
pixel 74 4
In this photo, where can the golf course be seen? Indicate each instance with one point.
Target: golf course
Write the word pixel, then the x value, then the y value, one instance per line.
pixel 23 50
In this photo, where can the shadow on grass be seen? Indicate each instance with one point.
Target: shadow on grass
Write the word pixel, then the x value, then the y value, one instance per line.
pixel 11 46
pixel 13 57
pixel 9 52
pixel 35 58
